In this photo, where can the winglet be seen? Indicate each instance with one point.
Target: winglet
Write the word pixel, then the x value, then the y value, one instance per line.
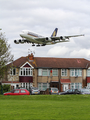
pixel 54 32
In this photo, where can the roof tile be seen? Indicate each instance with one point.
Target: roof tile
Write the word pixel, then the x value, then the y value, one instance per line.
pixel 47 62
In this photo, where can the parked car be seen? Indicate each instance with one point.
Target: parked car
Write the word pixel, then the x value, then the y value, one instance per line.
pixel 52 90
pixel 85 91
pixel 70 91
pixel 34 90
pixel 18 92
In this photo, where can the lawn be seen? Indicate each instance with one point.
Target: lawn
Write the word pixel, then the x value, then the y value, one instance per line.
pixel 45 107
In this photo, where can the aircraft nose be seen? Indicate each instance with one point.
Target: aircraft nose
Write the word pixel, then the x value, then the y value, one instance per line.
pixel 21 34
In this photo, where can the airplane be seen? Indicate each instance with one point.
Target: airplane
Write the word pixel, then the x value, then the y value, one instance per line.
pixel 29 37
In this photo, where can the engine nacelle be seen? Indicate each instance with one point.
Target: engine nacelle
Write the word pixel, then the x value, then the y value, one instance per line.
pixel 48 39
pixel 21 41
pixel 62 38
pixel 16 41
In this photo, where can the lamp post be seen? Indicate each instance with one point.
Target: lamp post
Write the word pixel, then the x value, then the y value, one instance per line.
pixel 12 75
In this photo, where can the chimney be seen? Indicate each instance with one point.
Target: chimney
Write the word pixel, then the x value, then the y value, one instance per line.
pixel 31 57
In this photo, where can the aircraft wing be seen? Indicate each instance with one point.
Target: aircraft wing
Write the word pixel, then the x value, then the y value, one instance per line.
pixel 74 36
pixel 55 38
pixel 65 37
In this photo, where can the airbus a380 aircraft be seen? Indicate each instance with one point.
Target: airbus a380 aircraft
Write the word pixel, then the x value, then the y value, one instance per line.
pixel 29 37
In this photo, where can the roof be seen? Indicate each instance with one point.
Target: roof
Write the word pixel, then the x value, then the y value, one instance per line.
pixel 47 62
pixel 61 62
pixel 65 81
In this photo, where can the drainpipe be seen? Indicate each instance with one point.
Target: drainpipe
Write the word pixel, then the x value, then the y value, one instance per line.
pixel 59 85
pixel 59 78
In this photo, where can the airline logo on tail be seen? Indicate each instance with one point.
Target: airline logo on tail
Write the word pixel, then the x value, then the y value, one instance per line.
pixel 54 33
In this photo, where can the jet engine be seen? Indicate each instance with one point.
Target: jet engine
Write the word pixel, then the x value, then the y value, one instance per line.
pixel 16 41
pixel 48 39
pixel 21 41
pixel 62 38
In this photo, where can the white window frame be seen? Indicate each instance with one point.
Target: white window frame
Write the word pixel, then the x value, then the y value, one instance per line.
pixel 42 86
pixel 88 72
pixel 13 71
pixel 26 71
pixel 88 85
pixel 41 72
pixel 76 85
pixel 44 72
pixel 54 70
pixel 63 72
pixel 76 72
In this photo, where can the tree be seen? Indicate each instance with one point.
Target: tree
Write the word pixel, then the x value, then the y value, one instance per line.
pixel 5 54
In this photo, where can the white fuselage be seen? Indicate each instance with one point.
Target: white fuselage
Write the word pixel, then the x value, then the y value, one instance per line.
pixel 30 36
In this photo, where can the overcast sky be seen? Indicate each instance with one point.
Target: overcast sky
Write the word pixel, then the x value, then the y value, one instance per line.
pixel 71 17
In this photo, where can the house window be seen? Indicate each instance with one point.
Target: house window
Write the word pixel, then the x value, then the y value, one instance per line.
pixel 76 85
pixel 88 85
pixel 43 86
pixel 63 72
pixel 13 71
pixel 26 85
pixel 55 72
pixel 75 72
pixel 39 72
pixel 88 72
pixel 43 72
pixel 25 72
pixel 39 86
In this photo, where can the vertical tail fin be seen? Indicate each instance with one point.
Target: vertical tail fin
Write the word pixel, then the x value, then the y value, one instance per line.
pixel 54 32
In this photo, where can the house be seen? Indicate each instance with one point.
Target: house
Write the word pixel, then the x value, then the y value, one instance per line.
pixel 42 72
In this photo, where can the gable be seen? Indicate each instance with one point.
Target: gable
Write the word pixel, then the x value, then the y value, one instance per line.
pixel 27 64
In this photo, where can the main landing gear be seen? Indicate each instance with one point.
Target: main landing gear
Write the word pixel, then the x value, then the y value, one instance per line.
pixel 38 45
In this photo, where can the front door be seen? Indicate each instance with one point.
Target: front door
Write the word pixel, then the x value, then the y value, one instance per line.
pixel 65 87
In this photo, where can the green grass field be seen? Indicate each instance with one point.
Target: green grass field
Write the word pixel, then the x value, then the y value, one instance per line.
pixel 45 107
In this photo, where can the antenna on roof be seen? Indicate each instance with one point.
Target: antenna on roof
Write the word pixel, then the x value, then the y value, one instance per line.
pixel 34 52
pixel 31 52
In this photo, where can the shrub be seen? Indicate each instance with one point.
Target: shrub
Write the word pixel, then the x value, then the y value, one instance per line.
pixel 5 88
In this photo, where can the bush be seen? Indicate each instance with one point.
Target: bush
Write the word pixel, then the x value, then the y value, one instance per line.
pixel 6 88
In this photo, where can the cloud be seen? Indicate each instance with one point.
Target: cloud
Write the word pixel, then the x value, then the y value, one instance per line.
pixel 81 53
pixel 58 51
